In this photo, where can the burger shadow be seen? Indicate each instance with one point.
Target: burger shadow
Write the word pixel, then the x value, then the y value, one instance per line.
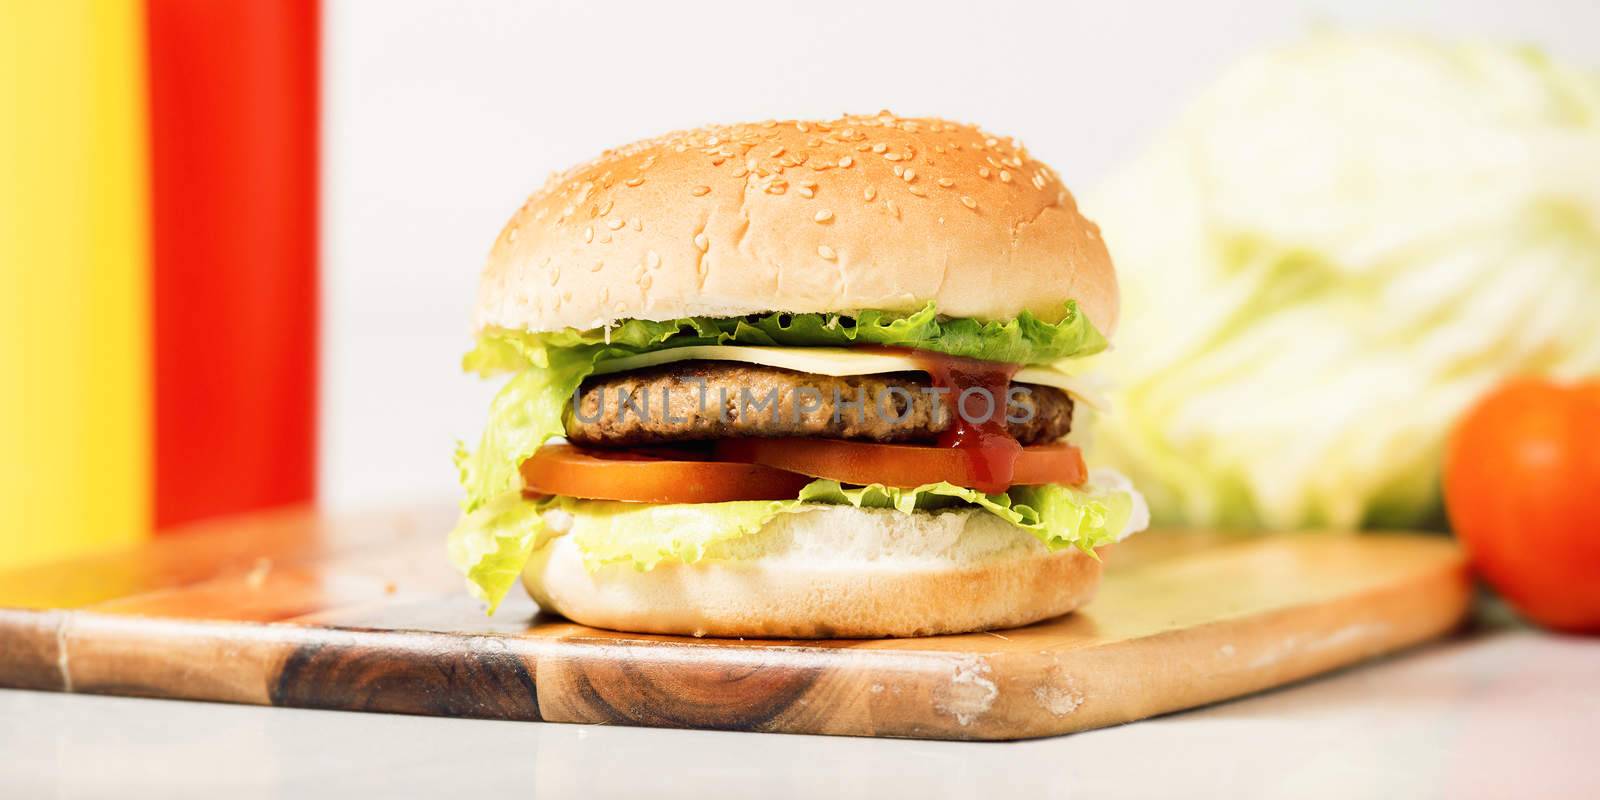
pixel 546 624
pixel 1057 632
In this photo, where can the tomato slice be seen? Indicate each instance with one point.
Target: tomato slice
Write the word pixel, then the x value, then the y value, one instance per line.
pixel 645 477
pixel 903 465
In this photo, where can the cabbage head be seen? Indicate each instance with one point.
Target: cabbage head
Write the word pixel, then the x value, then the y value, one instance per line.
pixel 1338 247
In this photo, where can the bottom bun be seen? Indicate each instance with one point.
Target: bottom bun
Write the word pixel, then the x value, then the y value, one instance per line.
pixel 830 572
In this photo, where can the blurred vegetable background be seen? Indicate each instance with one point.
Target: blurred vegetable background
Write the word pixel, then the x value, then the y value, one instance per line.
pixel 1338 248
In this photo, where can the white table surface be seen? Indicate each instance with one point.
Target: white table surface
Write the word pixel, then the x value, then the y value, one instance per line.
pixel 1500 712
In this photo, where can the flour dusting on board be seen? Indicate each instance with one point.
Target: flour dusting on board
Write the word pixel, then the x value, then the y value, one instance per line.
pixel 1058 693
pixel 970 692
pixel 63 665
pixel 1058 700
pixel 1303 643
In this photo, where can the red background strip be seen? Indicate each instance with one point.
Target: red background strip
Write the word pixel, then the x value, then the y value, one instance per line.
pixel 234 107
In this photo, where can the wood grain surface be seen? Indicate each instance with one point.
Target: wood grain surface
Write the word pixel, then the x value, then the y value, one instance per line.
pixel 296 609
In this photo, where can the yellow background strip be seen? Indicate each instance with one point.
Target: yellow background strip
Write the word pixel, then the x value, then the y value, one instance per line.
pixel 74 255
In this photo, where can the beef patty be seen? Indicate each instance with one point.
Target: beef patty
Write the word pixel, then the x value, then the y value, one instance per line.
pixel 703 400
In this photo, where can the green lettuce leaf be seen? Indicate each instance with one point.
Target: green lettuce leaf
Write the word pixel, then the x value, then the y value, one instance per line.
pixel 647 534
pixel 492 544
pixel 1026 339
pixel 524 414
pixel 1059 516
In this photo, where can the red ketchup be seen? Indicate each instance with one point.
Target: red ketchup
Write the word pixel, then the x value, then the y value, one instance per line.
pixel 980 432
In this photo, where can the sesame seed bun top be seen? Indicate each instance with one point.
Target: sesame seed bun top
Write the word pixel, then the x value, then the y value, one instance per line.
pixel 855 213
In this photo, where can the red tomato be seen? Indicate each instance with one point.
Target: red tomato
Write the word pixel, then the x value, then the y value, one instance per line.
pixel 1522 484
pixel 644 477
pixel 902 465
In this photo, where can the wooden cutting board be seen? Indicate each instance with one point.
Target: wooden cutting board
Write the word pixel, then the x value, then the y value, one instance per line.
pixel 295 609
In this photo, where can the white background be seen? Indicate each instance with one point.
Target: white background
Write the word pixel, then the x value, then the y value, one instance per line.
pixel 441 117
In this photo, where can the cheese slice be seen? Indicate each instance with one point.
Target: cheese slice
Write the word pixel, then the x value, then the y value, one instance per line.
pixel 837 362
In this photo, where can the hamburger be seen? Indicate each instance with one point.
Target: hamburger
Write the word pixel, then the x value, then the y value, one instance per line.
pixel 793 379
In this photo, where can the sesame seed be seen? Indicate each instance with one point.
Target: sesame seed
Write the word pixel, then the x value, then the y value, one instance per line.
pixel 588 234
pixel 636 224
pixel 807 192
pixel 615 224
pixel 644 282
pixel 595 267
pixel 775 153
pixel 917 190
pixel 634 181
pixel 605 208
pixel 826 252
pixel 1038 181
pixel 893 156
pixel 701 243
pixel 823 216
pixel 893 208
pixel 983 172
pixel 946 182
pixel 910 175
pixel 844 163
pixel 968 202
pixel 700 191
pixel 652 259
pixel 899 171
pixel 879 147
pixel 869 193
